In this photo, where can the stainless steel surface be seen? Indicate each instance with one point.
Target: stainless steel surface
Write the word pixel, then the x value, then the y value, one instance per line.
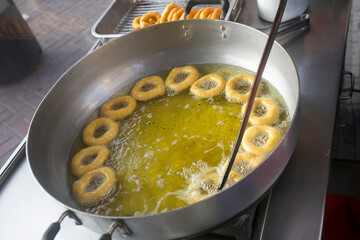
pixel 117 19
pixel 26 210
pixel 298 200
pixel 13 160
pixel 300 22
pixel 130 58
pixel 250 101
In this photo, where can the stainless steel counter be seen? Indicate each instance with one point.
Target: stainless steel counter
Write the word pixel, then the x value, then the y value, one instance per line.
pixel 296 205
pixel 297 202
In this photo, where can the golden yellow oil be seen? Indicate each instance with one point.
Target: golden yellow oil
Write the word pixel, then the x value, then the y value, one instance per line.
pixel 169 139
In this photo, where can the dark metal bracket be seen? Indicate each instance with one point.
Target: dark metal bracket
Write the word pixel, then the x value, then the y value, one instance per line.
pixel 125 231
pixel 352 84
pixel 54 228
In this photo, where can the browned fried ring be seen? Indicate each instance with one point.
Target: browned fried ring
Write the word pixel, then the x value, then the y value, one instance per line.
pixel 80 187
pixel 178 14
pixel 197 15
pixel 166 12
pixel 216 14
pixel 88 159
pixel 149 19
pixel 119 107
pixel 190 15
pixel 206 12
pixel 111 130
pixel 136 23
pixel 171 14
pixel 140 91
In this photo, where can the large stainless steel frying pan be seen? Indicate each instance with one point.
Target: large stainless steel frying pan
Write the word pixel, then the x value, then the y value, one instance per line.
pixel 90 82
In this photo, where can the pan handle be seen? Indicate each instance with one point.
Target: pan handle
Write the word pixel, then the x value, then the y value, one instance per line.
pixel 352 84
pixel 125 231
pixel 224 3
pixel 54 228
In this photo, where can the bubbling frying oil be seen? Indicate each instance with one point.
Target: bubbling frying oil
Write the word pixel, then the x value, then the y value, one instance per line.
pixel 168 142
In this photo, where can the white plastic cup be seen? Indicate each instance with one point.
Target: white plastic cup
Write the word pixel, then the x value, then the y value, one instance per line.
pixel 267 9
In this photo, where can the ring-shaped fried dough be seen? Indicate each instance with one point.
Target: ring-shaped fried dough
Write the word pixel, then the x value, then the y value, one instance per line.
pixel 234 175
pixel 148 88
pixel 242 161
pixel 248 158
pixel 190 15
pixel 88 159
pixel 260 140
pixel 264 112
pixel 119 107
pixel 172 12
pixel 216 14
pixel 109 128
pixel 234 83
pixel 87 194
pixel 206 184
pixel 208 86
pixel 207 11
pixel 233 178
pixel 153 21
pixel 203 186
pixel 136 23
pixel 166 12
pixel 197 15
pixel 149 19
pixel 177 15
pixel 191 74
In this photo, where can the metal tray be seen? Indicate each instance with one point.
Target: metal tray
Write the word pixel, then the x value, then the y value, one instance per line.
pixel 117 19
